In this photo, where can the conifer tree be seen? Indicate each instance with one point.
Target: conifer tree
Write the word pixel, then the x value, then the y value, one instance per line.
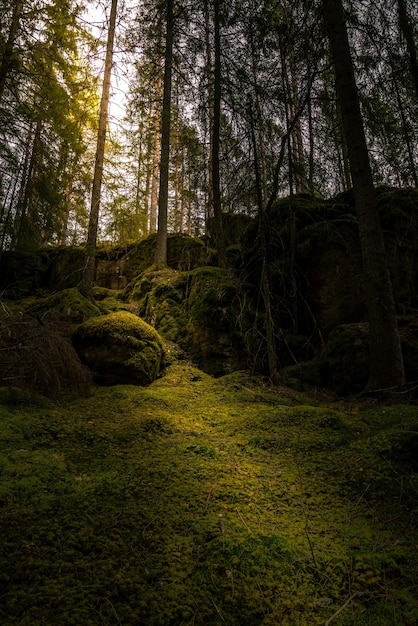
pixel 386 363
pixel 90 261
pixel 160 258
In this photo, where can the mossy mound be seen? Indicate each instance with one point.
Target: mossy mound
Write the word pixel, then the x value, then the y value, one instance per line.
pixel 198 310
pixel 120 348
pixel 69 303
pixel 205 502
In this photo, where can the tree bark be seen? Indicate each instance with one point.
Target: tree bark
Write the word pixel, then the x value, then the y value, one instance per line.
pixel 25 240
pixel 408 32
pixel 216 130
pixel 386 364
pixel 87 282
pixel 6 61
pixel 210 106
pixel 155 175
pixel 160 258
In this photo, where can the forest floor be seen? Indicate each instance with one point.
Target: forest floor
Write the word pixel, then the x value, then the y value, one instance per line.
pixel 197 501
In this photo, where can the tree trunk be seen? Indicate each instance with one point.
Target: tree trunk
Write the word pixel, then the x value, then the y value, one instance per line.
pixel 155 160
pixel 386 364
pixel 25 234
pixel 160 258
pixel 215 140
pixel 210 106
pixel 407 31
pixel 87 282
pixel 269 325
pixel 7 57
pixel 408 140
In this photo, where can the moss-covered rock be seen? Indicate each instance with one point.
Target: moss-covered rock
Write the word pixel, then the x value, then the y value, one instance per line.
pixel 116 272
pixel 214 338
pixel 65 267
pixel 120 348
pixel 234 226
pixel 69 303
pixel 198 310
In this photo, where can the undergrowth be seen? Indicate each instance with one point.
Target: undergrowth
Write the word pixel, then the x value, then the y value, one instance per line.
pixel 197 501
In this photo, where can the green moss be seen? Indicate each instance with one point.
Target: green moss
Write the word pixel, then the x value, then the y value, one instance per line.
pixel 203 501
pixel 65 267
pixel 198 310
pixel 69 303
pixel 122 326
pixel 120 347
pixel 397 207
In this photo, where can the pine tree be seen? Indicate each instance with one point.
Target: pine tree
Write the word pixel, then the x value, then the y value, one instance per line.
pixel 90 262
pixel 160 258
pixel 386 364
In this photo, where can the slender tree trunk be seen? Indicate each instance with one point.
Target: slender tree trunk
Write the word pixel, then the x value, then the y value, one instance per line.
pixel 262 173
pixel 210 106
pixel 140 221
pixel 66 215
pixel 216 180
pixel 189 205
pixel 311 158
pixel 298 156
pixel 90 263
pixel 183 188
pixel 346 170
pixel 386 364
pixel 177 165
pixel 155 159
pixel 408 32
pixel 160 258
pixel 263 234
pixel 7 56
pixel 408 141
pixel 24 237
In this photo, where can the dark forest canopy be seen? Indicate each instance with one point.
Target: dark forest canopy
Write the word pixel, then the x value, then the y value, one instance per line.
pixel 278 128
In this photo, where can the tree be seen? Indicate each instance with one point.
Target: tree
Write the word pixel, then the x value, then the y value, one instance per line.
pixel 7 55
pixel 160 259
pixel 90 262
pixel 215 139
pixel 386 364
pixel 407 31
pixel 46 95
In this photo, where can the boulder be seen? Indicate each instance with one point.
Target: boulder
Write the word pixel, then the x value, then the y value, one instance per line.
pixel 120 348
pixel 198 310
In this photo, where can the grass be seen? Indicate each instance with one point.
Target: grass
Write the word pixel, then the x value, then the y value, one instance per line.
pixel 197 501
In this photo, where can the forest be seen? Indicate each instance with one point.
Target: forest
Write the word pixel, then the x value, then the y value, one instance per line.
pixel 208 312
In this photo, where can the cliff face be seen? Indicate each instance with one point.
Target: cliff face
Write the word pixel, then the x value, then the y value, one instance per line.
pixel 313 264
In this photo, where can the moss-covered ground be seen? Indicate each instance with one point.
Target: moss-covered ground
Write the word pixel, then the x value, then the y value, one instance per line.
pixel 197 501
